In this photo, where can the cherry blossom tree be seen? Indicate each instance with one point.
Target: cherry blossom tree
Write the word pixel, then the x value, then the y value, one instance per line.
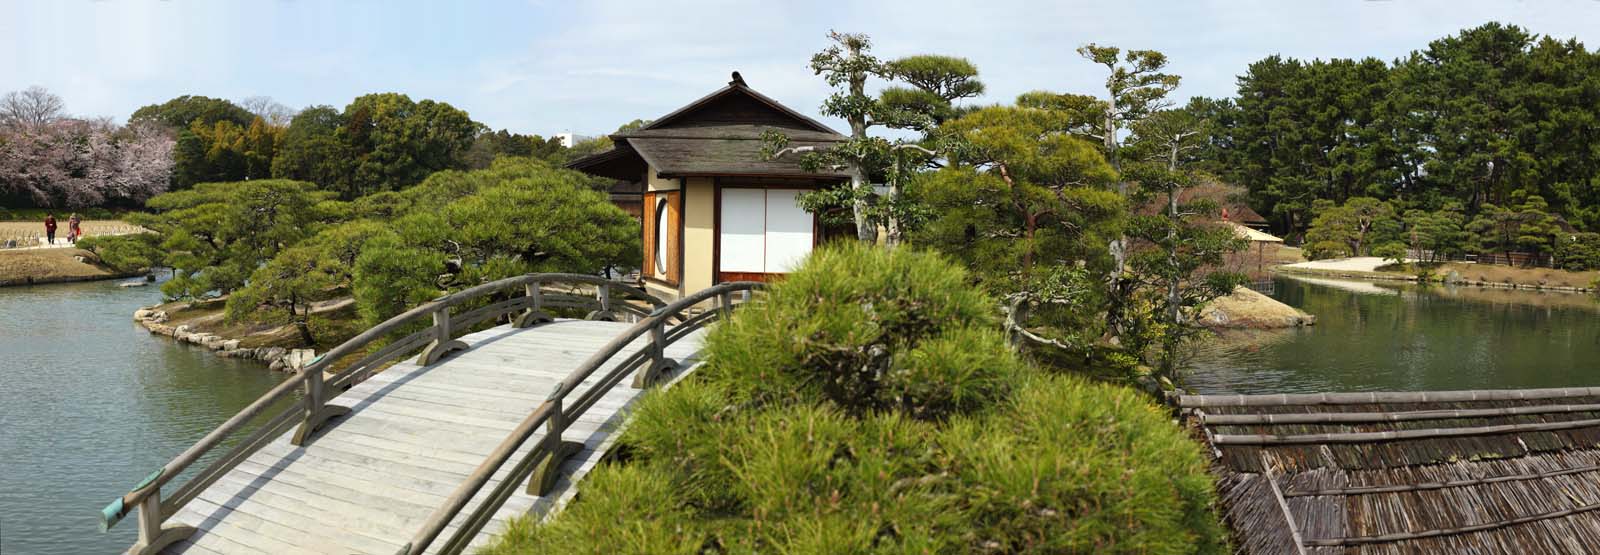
pixel 78 163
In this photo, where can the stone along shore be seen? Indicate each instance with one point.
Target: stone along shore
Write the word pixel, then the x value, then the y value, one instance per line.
pixel 277 358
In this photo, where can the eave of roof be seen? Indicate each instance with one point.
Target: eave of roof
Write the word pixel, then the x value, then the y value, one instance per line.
pixel 733 157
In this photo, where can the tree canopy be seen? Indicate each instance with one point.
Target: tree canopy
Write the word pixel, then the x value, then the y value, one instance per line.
pixel 1471 119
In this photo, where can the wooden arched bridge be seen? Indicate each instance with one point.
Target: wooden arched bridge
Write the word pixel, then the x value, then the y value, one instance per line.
pixel 432 455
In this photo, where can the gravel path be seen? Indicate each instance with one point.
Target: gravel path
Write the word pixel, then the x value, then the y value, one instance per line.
pixel 30 234
pixel 1356 264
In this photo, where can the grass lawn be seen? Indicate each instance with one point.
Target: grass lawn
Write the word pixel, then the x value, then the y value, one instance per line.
pixel 47 265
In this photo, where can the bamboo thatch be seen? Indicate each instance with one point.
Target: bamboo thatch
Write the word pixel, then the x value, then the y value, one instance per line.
pixel 1385 397
pixel 1399 473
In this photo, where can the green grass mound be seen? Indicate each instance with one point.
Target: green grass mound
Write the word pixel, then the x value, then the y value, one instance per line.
pixel 865 406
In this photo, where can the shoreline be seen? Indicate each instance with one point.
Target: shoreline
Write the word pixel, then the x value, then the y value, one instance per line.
pixel 277 358
pixel 43 266
pixel 25 281
pixel 1388 276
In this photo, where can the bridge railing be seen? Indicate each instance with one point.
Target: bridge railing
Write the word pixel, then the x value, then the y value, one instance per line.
pixel 539 467
pixel 610 301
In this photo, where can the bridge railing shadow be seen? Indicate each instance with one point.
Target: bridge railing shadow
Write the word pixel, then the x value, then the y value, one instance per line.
pixel 438 325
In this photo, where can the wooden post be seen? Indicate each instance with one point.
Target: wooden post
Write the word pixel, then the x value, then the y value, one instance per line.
pixel 604 314
pixel 658 364
pixel 535 314
pixel 443 343
pixel 724 306
pixel 317 410
pixel 545 474
pixel 152 537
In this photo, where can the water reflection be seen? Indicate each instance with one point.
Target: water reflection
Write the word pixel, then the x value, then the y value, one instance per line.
pixel 1381 337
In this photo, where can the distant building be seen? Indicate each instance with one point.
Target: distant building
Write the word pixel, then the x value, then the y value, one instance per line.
pixel 713 210
pixel 567 139
pixel 1229 199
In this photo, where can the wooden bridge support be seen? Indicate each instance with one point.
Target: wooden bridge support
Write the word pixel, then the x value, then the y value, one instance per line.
pixel 658 365
pixel 604 314
pixel 443 341
pixel 317 410
pixel 535 314
pixel 544 476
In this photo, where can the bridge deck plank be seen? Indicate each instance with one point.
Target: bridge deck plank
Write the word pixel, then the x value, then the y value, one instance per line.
pixel 367 482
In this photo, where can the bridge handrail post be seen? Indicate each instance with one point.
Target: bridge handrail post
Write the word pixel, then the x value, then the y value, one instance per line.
pixel 535 313
pixel 543 477
pixel 535 289
pixel 444 341
pixel 724 305
pixel 658 364
pixel 316 408
pixel 149 519
pixel 313 401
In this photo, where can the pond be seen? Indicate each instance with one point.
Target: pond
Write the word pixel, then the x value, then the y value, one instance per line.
pixel 91 403
pixel 1385 337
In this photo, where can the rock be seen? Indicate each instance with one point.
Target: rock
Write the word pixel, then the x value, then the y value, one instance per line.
pixel 11 243
pixel 143 314
pixel 1247 309
pixel 230 345
pixel 182 329
pixel 81 259
pixel 276 366
pixel 299 358
pixel 159 316
pixel 133 284
pixel 1453 277
pixel 271 353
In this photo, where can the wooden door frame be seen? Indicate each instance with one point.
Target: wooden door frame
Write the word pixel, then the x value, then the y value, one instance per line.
pixel 650 202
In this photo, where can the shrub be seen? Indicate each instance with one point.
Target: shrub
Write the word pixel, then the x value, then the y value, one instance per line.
pixel 842 327
pixel 1326 249
pixel 944 443
pixel 1393 252
pixel 1078 467
pixel 125 253
pixel 625 510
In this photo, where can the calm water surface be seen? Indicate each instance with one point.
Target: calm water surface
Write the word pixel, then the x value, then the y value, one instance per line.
pixel 1380 337
pixel 90 404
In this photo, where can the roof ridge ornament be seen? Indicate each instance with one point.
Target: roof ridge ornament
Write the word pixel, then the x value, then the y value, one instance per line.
pixel 737 81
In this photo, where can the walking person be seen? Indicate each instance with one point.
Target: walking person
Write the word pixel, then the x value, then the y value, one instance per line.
pixel 50 229
pixel 73 229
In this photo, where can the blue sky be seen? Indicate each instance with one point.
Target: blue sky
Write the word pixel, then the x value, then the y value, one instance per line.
pixel 586 66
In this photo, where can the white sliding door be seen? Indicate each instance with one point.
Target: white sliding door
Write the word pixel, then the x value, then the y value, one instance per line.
pixel 744 226
pixel 788 231
pixel 763 231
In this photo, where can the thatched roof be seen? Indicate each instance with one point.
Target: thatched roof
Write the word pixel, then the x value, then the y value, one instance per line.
pixel 1504 471
pixel 719 134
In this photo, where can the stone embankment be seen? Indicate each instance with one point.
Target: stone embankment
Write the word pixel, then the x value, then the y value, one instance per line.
pixel 276 358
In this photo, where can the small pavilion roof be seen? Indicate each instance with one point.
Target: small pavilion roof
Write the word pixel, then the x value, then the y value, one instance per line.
pixel 718 134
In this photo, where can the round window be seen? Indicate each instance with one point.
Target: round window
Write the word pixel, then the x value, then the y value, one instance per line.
pixel 661 237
